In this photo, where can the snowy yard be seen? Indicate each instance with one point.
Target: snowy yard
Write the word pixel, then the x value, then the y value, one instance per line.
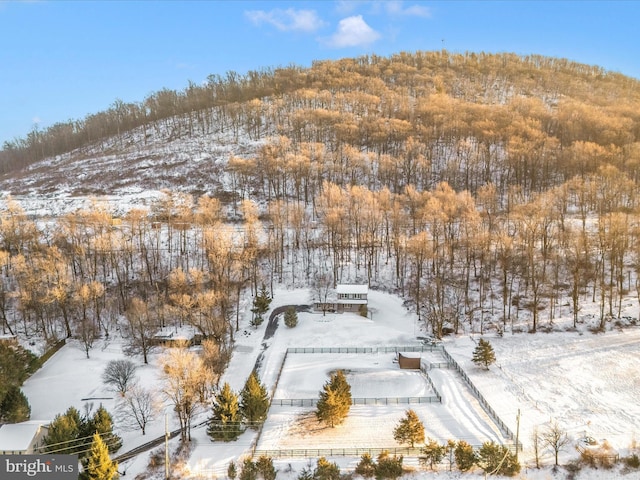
pixel 587 383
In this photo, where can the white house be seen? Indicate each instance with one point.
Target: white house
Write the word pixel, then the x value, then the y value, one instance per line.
pixel 22 438
pixel 347 298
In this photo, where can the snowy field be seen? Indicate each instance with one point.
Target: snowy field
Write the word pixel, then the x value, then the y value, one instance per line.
pixel 586 382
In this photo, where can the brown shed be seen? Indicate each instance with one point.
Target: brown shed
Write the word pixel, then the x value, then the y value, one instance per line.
pixel 412 363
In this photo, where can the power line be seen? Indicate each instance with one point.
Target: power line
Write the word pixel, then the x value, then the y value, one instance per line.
pixel 82 442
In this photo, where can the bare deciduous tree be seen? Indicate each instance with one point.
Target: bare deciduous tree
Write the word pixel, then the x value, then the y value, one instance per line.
pixel 322 287
pixel 536 442
pixel 120 375
pixel 138 408
pixel 215 356
pixel 555 437
pixel 140 329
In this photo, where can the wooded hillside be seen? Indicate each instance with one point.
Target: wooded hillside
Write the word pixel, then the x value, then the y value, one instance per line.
pixel 491 191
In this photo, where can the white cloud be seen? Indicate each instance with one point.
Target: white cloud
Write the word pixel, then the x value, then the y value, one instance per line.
pixel 346 7
pixel 287 20
pixel 36 120
pixel 353 32
pixel 396 7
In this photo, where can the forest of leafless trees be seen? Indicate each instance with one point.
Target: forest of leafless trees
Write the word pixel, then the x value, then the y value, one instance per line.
pixel 489 191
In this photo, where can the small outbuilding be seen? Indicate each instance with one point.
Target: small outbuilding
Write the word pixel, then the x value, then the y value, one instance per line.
pixel 172 337
pixel 411 363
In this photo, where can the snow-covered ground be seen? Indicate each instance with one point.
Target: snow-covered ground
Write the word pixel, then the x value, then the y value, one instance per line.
pixel 587 383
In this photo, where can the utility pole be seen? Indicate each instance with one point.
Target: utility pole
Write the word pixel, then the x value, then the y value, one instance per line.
pixel 166 446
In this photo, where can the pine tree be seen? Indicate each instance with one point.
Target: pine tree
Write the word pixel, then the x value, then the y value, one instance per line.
pixel 16 363
pixel 326 470
pixel 484 354
pixel 388 466
pixel 249 470
pixel 98 465
pixel 497 459
pixel 305 474
pixel 232 470
pixel 254 401
pixel 225 422
pixel 433 453
pixel 102 424
pixel 62 431
pixel 265 468
pixel 15 406
pixel 291 317
pixel 410 429
pixel 261 304
pixel 366 466
pixel 335 400
pixel 465 456
pixel 341 386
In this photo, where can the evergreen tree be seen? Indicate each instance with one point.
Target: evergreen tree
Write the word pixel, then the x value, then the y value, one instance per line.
pixel 305 474
pixel 232 471
pixel 335 400
pixel 326 470
pixel 15 406
pixel 261 304
pixel 388 466
pixel 366 466
pixel 410 429
pixel 16 364
pixel 265 468
pixel 102 424
pixel 248 471
pixel 63 430
pixel 497 459
pixel 340 385
pixel 433 453
pixel 484 354
pixel 465 456
pixel 98 465
pixel 254 401
pixel 291 317
pixel 225 423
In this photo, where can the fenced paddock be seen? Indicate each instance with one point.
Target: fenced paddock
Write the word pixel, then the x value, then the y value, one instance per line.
pixel 370 375
pixel 381 392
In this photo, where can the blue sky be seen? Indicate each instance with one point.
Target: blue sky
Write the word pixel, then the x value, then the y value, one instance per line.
pixel 62 60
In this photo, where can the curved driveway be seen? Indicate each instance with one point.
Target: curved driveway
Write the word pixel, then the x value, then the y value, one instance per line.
pixel 273 318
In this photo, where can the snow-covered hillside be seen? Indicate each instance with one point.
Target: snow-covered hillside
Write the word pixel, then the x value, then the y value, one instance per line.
pixel 129 171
